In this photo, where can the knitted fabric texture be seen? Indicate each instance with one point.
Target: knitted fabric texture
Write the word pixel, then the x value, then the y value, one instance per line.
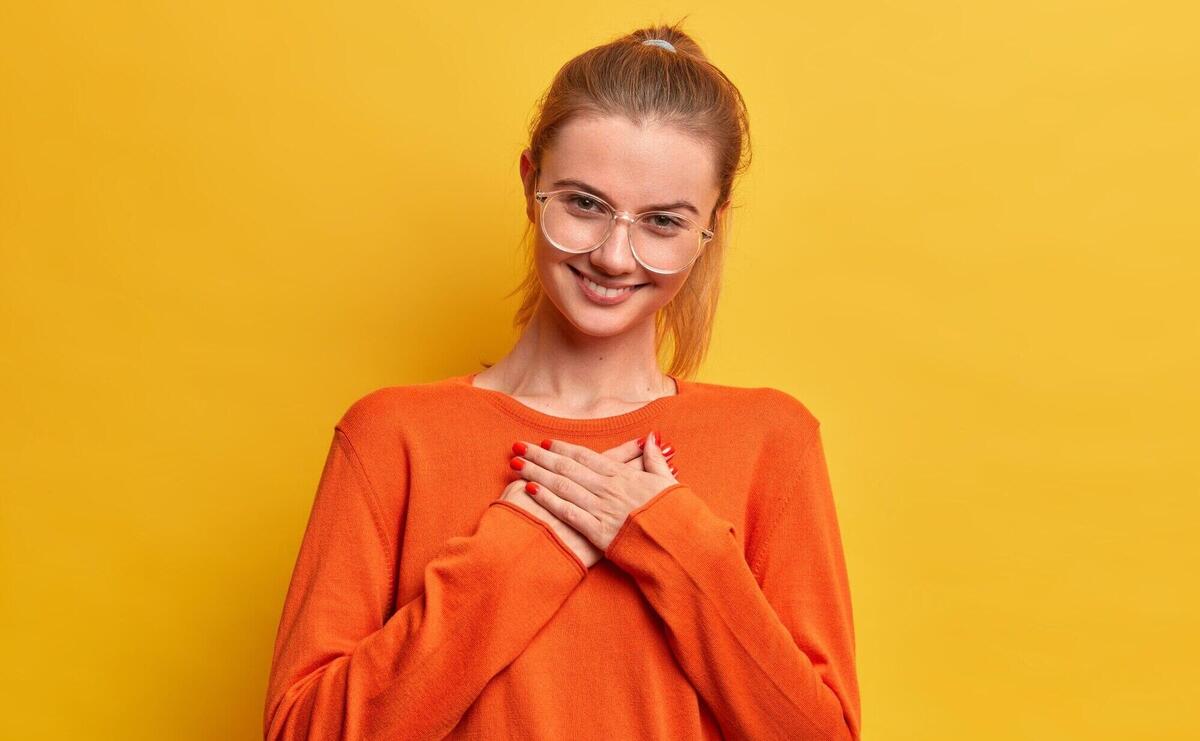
pixel 421 606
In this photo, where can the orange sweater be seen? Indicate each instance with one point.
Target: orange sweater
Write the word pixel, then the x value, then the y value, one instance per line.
pixel 423 607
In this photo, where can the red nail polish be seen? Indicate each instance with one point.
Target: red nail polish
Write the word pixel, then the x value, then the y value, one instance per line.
pixel 667 450
pixel 674 470
pixel 519 448
pixel 531 487
pixel 670 455
pixel 517 463
pixel 546 443
pixel 641 442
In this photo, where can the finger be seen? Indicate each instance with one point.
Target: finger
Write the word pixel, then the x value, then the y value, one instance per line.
pixel 669 459
pixel 568 488
pixel 622 454
pixel 655 460
pixel 668 450
pixel 516 493
pixel 578 463
pixel 582 455
pixel 630 452
pixel 514 490
pixel 564 509
pixel 625 452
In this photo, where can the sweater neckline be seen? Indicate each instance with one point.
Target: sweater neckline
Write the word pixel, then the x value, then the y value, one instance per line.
pixel 585 425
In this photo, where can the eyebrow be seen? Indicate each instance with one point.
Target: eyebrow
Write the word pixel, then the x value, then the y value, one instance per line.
pixel 571 182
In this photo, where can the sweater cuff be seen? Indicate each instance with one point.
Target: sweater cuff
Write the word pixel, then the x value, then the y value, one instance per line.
pixel 521 518
pixel 675 521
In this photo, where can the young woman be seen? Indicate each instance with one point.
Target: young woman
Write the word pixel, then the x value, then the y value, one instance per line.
pixel 512 552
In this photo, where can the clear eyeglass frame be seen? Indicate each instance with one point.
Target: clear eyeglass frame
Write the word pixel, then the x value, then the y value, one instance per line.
pixel 543 197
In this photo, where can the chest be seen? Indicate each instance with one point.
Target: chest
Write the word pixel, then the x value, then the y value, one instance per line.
pixel 450 483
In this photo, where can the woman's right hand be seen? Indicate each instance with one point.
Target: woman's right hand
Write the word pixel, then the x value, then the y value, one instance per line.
pixel 627 452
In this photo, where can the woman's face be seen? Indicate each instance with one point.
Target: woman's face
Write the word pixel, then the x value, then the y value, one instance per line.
pixel 635 169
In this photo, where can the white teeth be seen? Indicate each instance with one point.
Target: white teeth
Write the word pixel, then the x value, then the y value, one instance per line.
pixel 606 292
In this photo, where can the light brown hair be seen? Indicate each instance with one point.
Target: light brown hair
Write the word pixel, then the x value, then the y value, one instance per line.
pixel 646 82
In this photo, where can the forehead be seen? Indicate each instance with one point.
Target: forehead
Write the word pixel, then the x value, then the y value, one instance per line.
pixel 634 163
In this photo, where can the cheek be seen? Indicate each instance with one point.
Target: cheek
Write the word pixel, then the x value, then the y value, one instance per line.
pixel 550 261
pixel 666 288
pixel 556 278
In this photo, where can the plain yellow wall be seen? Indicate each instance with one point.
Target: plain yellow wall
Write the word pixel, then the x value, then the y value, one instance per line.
pixel 967 242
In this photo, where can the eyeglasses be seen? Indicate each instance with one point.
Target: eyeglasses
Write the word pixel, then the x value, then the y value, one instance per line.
pixel 576 221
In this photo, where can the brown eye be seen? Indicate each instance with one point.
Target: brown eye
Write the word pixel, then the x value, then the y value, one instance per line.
pixel 666 223
pixel 583 203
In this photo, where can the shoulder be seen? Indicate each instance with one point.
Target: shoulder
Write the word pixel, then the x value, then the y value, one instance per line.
pixel 391 409
pixel 784 408
pixel 776 411
pixel 382 428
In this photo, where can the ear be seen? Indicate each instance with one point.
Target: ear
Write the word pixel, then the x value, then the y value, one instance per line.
pixel 528 180
pixel 722 209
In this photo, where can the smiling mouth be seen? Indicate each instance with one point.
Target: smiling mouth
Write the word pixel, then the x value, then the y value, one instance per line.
pixel 631 288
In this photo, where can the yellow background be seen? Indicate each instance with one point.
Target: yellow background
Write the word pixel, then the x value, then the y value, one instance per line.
pixel 968 242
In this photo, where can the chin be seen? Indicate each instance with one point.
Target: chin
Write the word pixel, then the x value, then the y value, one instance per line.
pixel 600 327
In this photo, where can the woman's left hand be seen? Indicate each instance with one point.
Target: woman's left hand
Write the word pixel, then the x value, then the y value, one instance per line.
pixel 591 491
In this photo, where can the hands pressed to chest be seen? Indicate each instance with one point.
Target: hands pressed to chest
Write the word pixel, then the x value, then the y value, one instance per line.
pixel 586 496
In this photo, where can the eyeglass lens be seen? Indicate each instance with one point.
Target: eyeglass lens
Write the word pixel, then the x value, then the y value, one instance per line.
pixel 577 223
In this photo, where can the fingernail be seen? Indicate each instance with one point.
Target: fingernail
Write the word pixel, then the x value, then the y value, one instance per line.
pixel 666 449
pixel 669 455
pixel 519 448
pixel 517 463
pixel 674 470
pixel 641 442
pixel 531 487
pixel 546 444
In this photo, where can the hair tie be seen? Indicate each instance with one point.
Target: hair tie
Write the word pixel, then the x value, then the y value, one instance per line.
pixel 660 42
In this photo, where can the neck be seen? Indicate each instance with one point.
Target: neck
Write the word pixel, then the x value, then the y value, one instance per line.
pixel 553 359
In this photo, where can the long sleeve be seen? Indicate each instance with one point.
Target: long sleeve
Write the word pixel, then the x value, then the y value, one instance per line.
pixel 770 648
pixel 343 668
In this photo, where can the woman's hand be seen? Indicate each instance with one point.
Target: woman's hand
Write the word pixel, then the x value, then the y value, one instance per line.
pixel 579 545
pixel 593 492
pixel 630 452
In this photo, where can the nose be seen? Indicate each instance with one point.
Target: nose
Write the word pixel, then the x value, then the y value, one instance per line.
pixel 615 255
